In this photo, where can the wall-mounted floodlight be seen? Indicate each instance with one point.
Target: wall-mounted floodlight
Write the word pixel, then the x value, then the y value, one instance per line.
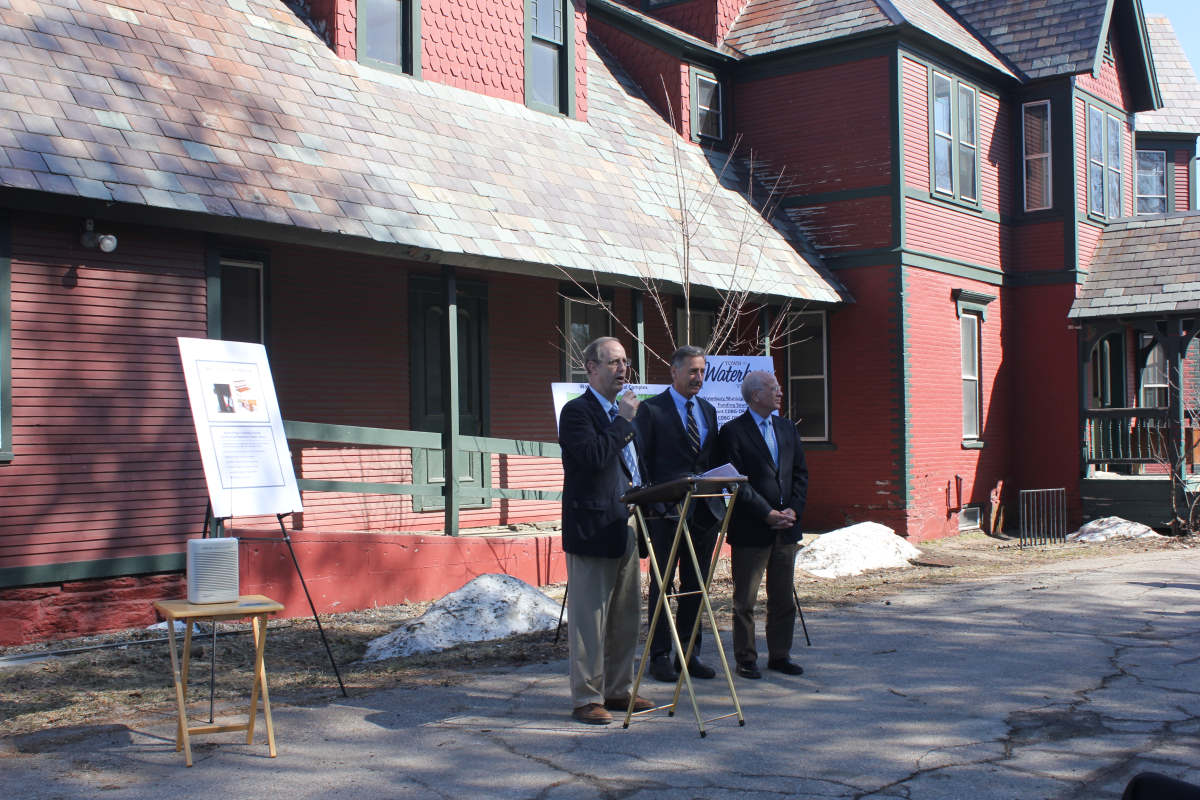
pixel 104 242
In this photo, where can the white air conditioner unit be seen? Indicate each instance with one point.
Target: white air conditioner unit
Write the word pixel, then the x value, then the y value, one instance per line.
pixel 212 570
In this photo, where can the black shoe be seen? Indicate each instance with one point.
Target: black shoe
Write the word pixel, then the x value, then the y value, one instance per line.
pixel 748 669
pixel 661 669
pixel 786 666
pixel 698 669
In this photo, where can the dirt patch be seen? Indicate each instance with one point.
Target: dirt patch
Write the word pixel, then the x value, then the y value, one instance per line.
pixel 126 675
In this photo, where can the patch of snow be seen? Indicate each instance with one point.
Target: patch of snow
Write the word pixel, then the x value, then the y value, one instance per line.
pixel 489 607
pixel 180 627
pixel 854 550
pixel 1108 528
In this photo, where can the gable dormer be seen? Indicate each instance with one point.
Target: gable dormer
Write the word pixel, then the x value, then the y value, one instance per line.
pixel 708 20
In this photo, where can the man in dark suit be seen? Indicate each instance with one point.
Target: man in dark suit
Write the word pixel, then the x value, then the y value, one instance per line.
pixel 600 463
pixel 677 435
pixel 765 526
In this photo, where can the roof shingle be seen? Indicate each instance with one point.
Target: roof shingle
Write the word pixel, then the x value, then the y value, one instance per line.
pixel 1176 81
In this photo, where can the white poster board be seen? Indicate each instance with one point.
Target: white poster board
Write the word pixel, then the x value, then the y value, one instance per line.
pixel 722 385
pixel 247 465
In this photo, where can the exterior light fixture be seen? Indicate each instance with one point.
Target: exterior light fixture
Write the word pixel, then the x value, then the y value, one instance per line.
pixel 104 242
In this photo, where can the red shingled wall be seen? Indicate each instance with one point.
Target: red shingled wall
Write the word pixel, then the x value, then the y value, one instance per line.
pixel 663 78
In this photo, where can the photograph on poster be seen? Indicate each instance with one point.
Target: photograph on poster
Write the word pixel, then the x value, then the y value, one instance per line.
pixel 235 389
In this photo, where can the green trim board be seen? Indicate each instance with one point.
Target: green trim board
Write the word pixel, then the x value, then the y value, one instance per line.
pixel 966 300
pixel 950 266
pixel 7 451
pixel 89 570
pixel 837 195
pixel 896 187
pixel 903 390
pixel 848 50
pixel 974 209
pixel 410 45
pixel 566 60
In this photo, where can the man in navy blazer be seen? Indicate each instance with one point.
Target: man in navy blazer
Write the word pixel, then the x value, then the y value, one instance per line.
pixel 765 526
pixel 600 463
pixel 677 435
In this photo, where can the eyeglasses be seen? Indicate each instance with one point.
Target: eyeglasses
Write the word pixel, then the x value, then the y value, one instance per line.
pixel 616 362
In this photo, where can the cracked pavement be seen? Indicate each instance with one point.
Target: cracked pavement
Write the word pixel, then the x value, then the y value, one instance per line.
pixel 1059 682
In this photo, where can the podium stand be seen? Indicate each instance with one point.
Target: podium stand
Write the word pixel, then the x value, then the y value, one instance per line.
pixel 682 492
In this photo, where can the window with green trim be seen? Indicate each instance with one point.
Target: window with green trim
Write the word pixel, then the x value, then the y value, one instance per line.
pixel 583 321
pixel 954 146
pixel 389 34
pixel 808 375
pixel 549 29
pixel 1151 182
pixel 242 301
pixel 707 107
pixel 1035 149
pixel 1104 163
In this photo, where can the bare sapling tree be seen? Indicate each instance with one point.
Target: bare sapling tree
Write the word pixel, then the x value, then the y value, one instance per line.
pixel 732 301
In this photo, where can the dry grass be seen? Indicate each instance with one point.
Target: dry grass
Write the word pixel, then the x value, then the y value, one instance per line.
pixel 132 679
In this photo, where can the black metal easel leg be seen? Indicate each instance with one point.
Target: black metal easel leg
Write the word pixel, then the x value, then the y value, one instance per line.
pixel 558 630
pixel 800 611
pixel 311 606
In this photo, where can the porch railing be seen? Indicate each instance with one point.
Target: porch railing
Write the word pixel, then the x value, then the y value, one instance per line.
pixel 1126 436
pixel 417 441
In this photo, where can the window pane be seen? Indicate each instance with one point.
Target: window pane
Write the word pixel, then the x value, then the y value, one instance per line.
pixel 1037 129
pixel 1037 183
pixel 1095 188
pixel 708 107
pixel 1095 134
pixel 543 73
pixel 942 180
pixel 969 329
pixel 1114 194
pixel 970 408
pixel 966 115
pixel 241 303
pixel 807 407
pixel 806 351
pixel 547 20
pixel 1114 143
pixel 941 104
pixel 1152 172
pixel 383 23
pixel 966 172
pixel 1152 205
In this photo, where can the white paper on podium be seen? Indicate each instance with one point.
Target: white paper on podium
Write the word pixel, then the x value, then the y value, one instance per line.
pixel 247 464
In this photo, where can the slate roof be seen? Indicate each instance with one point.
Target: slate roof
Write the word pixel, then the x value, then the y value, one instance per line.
pixel 1144 265
pixel 766 26
pixel 236 108
pixel 1040 38
pixel 1177 82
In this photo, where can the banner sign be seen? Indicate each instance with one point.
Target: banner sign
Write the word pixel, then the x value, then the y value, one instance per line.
pixel 247 464
pixel 722 385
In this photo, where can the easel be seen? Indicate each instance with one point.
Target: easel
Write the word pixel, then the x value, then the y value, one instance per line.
pixel 286 538
pixel 682 491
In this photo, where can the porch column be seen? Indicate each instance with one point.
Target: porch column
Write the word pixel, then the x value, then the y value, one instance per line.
pixel 450 393
pixel 764 321
pixel 1174 356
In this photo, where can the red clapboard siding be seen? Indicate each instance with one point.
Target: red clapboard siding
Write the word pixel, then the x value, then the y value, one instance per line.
pixel 1183 189
pixel 976 240
pixel 1038 247
pixel 1089 240
pixel 916 124
pixel 105 459
pixel 801 123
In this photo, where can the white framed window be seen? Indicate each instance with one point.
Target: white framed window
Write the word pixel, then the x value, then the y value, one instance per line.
pixel 1105 167
pixel 969 348
pixel 1035 149
pixel 583 321
pixel 707 115
pixel 243 308
pixel 954 142
pixel 808 374
pixel 1154 383
pixel 1151 182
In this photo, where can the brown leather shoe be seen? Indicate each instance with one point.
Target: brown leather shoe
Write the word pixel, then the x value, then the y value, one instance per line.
pixel 592 714
pixel 622 704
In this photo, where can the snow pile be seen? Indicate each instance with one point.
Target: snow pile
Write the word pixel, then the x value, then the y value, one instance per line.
pixel 489 607
pixel 1107 528
pixel 856 549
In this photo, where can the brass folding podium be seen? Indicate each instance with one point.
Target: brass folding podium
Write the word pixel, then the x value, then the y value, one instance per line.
pixel 682 492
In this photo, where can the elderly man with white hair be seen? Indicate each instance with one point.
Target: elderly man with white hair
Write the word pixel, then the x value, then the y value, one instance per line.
pixel 765 527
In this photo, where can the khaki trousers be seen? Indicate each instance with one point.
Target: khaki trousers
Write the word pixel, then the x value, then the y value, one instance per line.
pixel 603 599
pixel 748 564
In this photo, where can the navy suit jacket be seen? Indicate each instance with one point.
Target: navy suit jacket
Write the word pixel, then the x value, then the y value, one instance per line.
pixel 665 450
pixel 595 521
pixel 768 488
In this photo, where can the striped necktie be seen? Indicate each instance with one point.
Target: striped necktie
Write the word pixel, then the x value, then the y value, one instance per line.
pixel 628 454
pixel 693 430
